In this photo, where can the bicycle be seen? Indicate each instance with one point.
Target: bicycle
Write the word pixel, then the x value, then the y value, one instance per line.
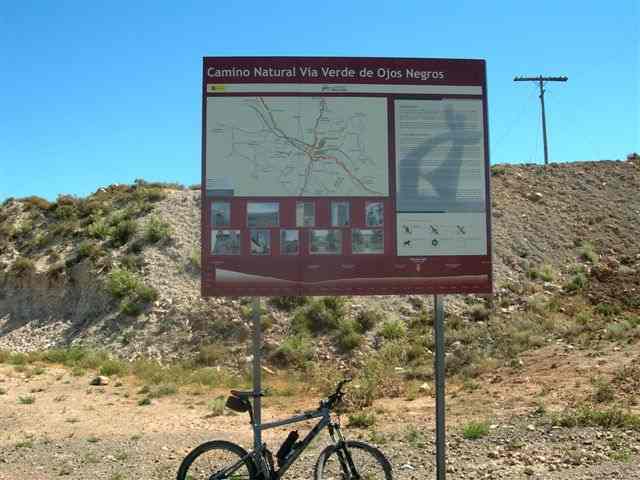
pixel 343 460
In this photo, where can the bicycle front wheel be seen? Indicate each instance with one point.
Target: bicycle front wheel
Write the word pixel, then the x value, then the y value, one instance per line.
pixel 351 461
pixel 217 460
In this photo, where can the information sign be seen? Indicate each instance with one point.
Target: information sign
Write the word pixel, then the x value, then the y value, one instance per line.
pixel 330 176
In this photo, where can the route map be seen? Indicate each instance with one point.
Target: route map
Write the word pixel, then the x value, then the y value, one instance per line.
pixel 300 146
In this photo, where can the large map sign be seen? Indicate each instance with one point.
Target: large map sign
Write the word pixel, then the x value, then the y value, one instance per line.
pixel 344 176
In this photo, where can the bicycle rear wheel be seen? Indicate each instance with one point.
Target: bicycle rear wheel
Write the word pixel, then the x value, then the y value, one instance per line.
pixel 217 460
pixel 369 463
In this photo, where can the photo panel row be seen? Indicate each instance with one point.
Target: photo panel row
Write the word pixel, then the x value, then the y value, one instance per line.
pixel 321 241
pixel 267 214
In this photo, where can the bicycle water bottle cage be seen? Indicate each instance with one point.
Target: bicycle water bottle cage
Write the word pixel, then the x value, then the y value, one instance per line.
pixel 236 404
pixel 286 448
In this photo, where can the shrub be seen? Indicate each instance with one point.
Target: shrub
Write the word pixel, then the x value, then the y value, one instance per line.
pixel 164 390
pixel 122 283
pixel 287 304
pixel 392 330
pixel 479 312
pixel 136 246
pixel 603 391
pixel 88 249
pixel 544 273
pixel 18 359
pixel 126 285
pixel 66 212
pixel 36 202
pixel 151 194
pixel 367 386
pixel 156 230
pixel 608 310
pixel 41 240
pixel 146 293
pixel 131 307
pixel 362 419
pixel 99 229
pixel 123 231
pixel 415 437
pixel 336 305
pixel 150 371
pixel 195 259
pixel 315 317
pixel 497 170
pixel 578 282
pixel 211 355
pixel 293 351
pixel 368 318
pixel 7 230
pixel 113 367
pixel 587 252
pixel 348 337
pixel 27 400
pixel 23 267
pixel 475 430
pixel 217 405
pixel 588 417
pixel 132 262
pixel 618 330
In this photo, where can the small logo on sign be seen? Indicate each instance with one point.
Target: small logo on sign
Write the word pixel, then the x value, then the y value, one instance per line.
pixel 418 262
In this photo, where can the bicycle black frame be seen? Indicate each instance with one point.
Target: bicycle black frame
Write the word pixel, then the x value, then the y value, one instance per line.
pixel 325 421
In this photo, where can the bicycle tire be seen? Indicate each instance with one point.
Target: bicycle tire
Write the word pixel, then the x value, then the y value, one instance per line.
pixel 325 458
pixel 223 446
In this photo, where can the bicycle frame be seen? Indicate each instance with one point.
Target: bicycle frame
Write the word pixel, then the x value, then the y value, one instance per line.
pixel 323 413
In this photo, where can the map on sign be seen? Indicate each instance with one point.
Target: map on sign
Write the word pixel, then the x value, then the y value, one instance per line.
pixel 300 146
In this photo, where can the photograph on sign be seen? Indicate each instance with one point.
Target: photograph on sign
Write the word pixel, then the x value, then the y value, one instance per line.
pixel 260 242
pixel 225 242
pixel 339 214
pixel 289 242
pixel 371 183
pixel 326 242
pixel 265 214
pixel 305 214
pixel 367 240
pixel 374 214
pixel 220 214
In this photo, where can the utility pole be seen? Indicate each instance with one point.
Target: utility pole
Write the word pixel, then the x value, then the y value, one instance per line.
pixel 540 79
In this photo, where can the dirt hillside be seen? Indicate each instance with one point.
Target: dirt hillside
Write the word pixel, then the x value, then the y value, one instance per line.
pixel 55 258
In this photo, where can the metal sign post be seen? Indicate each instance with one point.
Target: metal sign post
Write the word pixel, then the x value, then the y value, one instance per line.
pixel 438 301
pixel 257 373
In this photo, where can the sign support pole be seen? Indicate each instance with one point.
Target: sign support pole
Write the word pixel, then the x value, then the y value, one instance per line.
pixel 439 360
pixel 257 373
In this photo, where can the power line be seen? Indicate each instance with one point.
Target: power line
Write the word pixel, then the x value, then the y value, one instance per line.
pixel 540 79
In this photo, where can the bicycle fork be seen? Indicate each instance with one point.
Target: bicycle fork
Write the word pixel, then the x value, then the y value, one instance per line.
pixel 344 455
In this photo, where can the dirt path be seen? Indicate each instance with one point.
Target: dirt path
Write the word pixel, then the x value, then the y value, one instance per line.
pixel 75 431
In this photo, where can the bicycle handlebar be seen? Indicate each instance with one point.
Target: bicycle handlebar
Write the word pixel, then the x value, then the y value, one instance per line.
pixel 336 396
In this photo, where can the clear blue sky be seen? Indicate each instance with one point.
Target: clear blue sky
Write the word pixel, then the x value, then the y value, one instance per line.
pixel 94 93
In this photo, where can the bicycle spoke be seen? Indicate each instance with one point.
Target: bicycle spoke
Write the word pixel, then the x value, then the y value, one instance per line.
pixel 367 467
pixel 218 464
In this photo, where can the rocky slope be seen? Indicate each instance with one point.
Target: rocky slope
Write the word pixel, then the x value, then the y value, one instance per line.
pixel 57 261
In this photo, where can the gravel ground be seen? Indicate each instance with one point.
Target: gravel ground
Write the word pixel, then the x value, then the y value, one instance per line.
pixel 75 431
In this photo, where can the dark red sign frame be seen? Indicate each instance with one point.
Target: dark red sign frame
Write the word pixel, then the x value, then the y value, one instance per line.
pixel 348 273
